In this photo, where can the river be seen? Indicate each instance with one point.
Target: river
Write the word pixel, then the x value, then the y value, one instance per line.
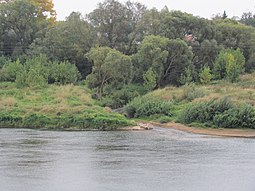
pixel 157 160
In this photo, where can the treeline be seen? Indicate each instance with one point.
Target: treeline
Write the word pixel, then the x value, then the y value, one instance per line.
pixel 121 50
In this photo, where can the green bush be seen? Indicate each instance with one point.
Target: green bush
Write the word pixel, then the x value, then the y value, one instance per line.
pixel 229 64
pixel 150 80
pixel 3 61
pixel 205 111
pixel 237 117
pixel 37 121
pixel 146 106
pixel 63 73
pixel 205 75
pixel 10 71
pixel 220 113
pixel 164 119
pixel 119 98
pixel 10 120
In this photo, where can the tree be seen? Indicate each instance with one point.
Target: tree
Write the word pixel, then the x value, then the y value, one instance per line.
pixel 168 59
pixel 45 10
pixel 179 58
pixel 116 24
pixel 187 76
pixel 248 18
pixel 224 15
pixel 110 69
pixel 205 75
pixel 150 80
pixel 68 40
pixel 229 64
pixel 176 24
pixel 18 26
pixel 232 34
pixel 152 53
pixel 204 53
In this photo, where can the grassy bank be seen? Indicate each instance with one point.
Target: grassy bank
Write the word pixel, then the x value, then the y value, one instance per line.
pixel 220 104
pixel 54 107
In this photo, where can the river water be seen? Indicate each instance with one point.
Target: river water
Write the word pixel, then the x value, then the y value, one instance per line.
pixel 161 159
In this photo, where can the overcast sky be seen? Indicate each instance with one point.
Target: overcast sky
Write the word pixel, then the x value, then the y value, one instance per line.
pixel 202 8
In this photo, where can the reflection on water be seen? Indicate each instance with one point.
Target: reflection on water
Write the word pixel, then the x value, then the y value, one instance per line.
pixel 161 159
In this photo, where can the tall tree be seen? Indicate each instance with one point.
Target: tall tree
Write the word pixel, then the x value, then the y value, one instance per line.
pixel 110 68
pixel 19 26
pixel 229 64
pixel 68 40
pixel 116 24
pixel 232 34
pixel 45 10
pixel 248 18
pixel 168 59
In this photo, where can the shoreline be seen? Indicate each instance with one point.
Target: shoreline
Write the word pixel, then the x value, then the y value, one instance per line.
pixel 239 133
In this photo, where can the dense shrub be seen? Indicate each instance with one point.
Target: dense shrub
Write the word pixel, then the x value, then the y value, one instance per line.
pixel 220 113
pixel 119 98
pixel 3 61
pixel 10 120
pixel 147 106
pixel 229 64
pixel 237 117
pixel 37 121
pixel 204 111
pixel 10 71
pixel 63 73
pixel 89 119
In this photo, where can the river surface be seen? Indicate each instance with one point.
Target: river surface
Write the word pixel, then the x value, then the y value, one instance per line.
pixel 157 160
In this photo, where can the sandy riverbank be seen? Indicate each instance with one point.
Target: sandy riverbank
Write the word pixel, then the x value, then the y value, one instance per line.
pixel 245 133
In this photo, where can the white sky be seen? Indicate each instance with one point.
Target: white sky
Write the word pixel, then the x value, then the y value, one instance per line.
pixel 202 8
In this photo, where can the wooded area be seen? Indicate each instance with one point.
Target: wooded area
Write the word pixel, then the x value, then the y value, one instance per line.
pixel 120 49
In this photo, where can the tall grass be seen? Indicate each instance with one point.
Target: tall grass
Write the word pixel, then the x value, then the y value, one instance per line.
pixel 66 106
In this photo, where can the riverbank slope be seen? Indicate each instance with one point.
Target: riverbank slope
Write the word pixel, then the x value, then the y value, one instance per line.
pixel 66 107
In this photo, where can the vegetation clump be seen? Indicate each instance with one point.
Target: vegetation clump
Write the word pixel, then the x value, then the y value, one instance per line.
pixel 160 64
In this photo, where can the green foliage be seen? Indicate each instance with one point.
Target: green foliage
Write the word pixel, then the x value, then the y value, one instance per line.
pixel 119 98
pixel 229 64
pixel 152 54
pixel 3 60
pixel 34 73
pixel 10 71
pixel 110 68
pixel 233 34
pixel 204 111
pixel 220 113
pixel 166 57
pixel 205 75
pixel 118 24
pixel 236 117
pixel 10 120
pixel 68 41
pixel 20 26
pixel 38 72
pixel 91 119
pixel 63 73
pixel 150 80
pixel 187 76
pixel 57 107
pixel 146 106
